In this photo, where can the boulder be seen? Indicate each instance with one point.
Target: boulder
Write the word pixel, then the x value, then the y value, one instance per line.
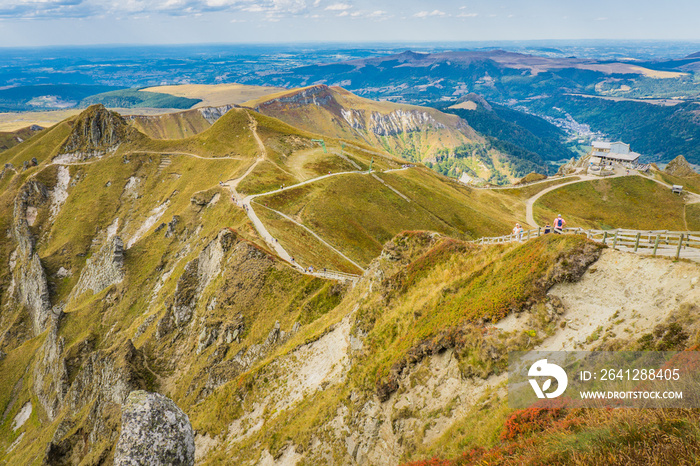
pixel 154 432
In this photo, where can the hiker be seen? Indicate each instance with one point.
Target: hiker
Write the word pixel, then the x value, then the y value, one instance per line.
pixel 518 231
pixel 547 229
pixel 559 225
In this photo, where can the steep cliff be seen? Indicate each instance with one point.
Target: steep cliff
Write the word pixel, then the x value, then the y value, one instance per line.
pixel 28 277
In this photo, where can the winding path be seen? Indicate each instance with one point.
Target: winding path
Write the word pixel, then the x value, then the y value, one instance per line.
pixel 530 203
pixel 314 235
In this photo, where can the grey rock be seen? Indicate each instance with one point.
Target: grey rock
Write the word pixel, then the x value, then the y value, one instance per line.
pixel 104 269
pixel 95 130
pixel 172 225
pixel 211 114
pixel 28 273
pixel 154 432
pixel 198 274
pixel 207 336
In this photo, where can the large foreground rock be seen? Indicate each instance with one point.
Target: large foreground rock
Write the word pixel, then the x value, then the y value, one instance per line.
pixel 154 432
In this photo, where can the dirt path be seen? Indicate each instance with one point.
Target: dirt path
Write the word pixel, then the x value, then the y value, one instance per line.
pixel 526 185
pixel 247 202
pixel 58 161
pixel 315 236
pixel 530 203
pixel 233 184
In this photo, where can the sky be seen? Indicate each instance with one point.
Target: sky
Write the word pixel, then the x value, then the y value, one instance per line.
pixel 90 22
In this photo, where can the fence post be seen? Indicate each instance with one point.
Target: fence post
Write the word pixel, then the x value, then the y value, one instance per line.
pixel 615 239
pixel 528 234
pixel 636 242
pixel 656 245
pixel 680 243
pixel 539 231
pixel 605 236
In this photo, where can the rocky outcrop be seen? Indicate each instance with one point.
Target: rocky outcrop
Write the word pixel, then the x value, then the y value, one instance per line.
pixel 154 432
pixel 211 114
pixel 95 132
pixel 29 283
pixel 82 388
pixel 104 269
pixel 679 167
pixel 198 274
pixel 574 166
pixel 531 178
pixel 401 121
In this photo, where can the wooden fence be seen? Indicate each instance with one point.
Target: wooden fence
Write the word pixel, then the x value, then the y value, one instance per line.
pixel 677 244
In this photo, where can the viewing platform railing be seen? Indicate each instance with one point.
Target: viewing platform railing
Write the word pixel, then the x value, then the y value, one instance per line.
pixel 677 244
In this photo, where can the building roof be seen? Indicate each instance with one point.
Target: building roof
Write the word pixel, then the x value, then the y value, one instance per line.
pixel 629 156
pixel 608 145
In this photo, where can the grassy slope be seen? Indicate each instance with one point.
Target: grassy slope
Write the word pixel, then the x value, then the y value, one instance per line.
pixel 527 192
pixel 627 202
pixel 357 214
pixel 429 286
pixel 171 125
pixel 10 139
pixel 689 183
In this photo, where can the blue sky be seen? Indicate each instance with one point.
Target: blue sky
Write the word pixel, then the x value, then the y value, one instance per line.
pixel 84 22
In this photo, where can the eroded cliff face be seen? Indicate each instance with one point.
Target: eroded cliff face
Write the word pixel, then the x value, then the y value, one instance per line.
pixel 104 269
pixel 320 95
pixel 393 123
pixel 29 283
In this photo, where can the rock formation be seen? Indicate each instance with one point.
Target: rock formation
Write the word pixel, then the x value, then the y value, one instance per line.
pixel 104 269
pixel 154 432
pixel 679 167
pixel 29 278
pixel 95 132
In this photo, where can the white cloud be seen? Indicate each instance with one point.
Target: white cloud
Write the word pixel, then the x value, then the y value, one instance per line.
pixel 602 18
pixel 468 15
pixel 56 9
pixel 338 7
pixel 426 14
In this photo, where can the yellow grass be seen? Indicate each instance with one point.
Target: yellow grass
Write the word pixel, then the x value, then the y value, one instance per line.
pixel 468 105
pixel 17 120
pixel 12 121
pixel 215 95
